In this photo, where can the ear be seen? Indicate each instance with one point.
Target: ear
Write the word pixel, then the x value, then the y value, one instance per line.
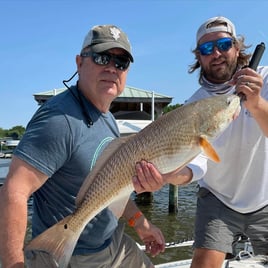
pixel 237 49
pixel 197 55
pixel 79 61
pixel 198 58
pixel 237 52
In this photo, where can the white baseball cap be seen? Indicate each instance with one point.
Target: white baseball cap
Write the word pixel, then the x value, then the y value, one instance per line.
pixel 223 25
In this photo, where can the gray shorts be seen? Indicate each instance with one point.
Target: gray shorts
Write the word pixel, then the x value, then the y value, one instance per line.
pixel 218 227
pixel 122 252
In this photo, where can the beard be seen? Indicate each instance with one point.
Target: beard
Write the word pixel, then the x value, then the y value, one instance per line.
pixel 222 73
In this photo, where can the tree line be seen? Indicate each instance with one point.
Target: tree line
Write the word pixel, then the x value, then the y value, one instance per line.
pixel 15 132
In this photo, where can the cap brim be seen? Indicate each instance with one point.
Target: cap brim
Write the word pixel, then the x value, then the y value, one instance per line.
pixel 109 45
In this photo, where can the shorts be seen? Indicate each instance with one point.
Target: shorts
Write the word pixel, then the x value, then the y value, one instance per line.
pixel 218 227
pixel 122 252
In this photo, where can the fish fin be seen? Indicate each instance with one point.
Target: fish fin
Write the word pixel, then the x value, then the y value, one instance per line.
pixel 53 247
pixel 111 148
pixel 119 206
pixel 208 149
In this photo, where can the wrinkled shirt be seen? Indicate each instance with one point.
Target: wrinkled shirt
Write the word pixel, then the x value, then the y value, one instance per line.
pixel 240 180
pixel 59 143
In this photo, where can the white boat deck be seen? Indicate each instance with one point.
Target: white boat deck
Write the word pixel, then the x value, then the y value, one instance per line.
pixel 244 259
pixel 246 262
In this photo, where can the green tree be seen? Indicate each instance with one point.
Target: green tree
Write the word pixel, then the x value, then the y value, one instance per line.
pixel 2 133
pixel 15 132
pixel 170 108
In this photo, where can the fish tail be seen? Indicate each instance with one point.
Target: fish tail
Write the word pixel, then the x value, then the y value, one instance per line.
pixel 53 247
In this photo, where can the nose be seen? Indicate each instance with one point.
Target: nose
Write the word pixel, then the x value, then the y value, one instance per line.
pixel 110 67
pixel 216 51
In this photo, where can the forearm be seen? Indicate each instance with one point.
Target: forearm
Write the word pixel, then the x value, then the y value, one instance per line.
pixel 149 234
pixel 179 177
pixel 22 180
pixel 13 224
pixel 260 113
pixel 131 210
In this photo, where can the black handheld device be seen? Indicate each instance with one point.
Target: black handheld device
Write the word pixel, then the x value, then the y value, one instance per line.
pixel 256 57
pixel 254 62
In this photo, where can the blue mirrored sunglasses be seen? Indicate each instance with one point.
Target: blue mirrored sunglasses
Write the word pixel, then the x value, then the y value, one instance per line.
pixel 120 62
pixel 223 44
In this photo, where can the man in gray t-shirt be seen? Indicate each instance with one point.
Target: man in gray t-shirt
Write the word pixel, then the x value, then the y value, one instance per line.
pixel 60 146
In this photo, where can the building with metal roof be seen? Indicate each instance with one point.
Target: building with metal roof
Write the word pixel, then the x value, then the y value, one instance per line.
pixel 133 103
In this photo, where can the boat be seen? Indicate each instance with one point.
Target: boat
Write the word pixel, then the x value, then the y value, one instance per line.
pixel 245 257
pixel 246 262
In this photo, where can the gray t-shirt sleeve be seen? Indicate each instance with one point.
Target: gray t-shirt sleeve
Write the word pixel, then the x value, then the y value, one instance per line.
pixel 47 143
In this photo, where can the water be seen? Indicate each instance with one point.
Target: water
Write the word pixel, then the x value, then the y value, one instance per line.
pixel 176 227
pixel 4 167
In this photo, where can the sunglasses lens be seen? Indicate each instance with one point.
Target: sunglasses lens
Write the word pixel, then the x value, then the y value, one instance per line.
pixel 101 59
pixel 206 48
pixel 224 44
pixel 120 62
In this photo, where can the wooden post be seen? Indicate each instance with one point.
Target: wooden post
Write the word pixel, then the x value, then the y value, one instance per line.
pixel 173 198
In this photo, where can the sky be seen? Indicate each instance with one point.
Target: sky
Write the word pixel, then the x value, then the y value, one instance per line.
pixel 40 39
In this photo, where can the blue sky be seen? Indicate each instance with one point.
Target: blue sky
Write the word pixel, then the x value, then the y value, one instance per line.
pixel 40 39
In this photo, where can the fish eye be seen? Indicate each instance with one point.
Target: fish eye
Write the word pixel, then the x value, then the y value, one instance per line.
pixel 228 101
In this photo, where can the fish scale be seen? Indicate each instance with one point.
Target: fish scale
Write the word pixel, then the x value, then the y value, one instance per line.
pixel 169 143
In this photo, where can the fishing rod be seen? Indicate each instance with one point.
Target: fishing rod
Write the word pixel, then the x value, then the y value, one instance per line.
pixel 189 243
pixel 178 244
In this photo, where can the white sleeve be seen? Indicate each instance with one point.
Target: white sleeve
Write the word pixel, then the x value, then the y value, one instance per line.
pixel 198 166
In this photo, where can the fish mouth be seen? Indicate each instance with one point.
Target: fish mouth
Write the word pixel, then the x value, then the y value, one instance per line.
pixel 234 100
pixel 237 112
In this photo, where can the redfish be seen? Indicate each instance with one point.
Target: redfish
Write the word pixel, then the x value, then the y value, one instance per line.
pixel 170 142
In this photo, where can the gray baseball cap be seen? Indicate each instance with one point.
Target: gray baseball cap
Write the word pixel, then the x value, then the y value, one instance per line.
pixel 103 37
pixel 225 25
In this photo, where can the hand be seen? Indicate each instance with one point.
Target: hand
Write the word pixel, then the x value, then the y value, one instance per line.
pixel 148 178
pixel 151 236
pixel 249 83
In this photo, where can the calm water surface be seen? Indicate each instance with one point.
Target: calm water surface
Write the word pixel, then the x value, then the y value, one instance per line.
pixel 176 227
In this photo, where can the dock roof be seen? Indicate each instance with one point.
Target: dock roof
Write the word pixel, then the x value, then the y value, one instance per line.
pixel 130 94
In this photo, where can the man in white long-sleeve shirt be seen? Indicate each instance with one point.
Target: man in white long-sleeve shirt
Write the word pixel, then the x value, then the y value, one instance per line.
pixel 233 195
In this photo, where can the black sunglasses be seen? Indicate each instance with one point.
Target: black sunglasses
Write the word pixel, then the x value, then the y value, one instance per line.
pixel 104 58
pixel 223 44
